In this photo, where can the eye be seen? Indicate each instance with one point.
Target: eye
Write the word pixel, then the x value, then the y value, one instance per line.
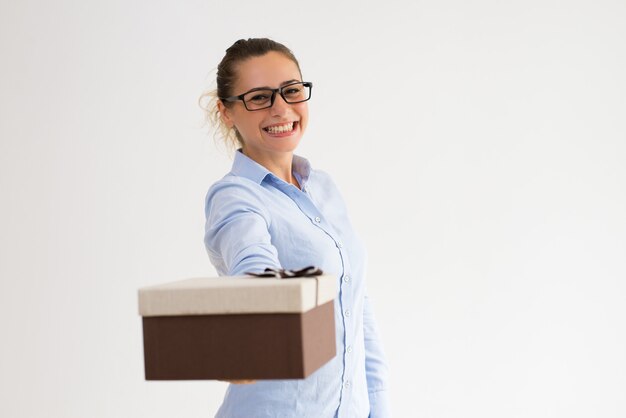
pixel 292 92
pixel 259 97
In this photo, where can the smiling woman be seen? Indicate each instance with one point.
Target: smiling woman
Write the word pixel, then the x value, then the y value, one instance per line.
pixel 269 130
pixel 274 210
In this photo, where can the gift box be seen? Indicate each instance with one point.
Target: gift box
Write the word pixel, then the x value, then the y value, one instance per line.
pixel 243 327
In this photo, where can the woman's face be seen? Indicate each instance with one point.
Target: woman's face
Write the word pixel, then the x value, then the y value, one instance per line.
pixel 259 129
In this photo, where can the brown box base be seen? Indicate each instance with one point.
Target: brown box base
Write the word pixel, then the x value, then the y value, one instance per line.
pixel 241 346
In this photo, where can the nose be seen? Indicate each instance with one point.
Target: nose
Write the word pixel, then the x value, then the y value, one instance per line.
pixel 280 106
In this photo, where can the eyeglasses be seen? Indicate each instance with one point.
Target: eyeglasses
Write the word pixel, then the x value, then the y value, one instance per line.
pixel 263 98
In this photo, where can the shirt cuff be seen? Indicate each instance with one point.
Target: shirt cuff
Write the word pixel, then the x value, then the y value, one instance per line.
pixel 379 404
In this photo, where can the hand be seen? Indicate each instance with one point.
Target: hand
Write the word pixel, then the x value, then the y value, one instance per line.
pixel 239 382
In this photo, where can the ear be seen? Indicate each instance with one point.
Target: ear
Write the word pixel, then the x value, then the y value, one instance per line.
pixel 225 114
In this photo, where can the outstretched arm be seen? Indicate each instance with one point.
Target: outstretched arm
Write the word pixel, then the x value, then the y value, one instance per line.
pixel 237 234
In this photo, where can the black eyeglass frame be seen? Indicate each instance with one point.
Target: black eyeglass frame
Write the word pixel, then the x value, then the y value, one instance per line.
pixel 274 91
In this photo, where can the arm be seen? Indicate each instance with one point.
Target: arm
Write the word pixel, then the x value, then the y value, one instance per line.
pixel 376 369
pixel 237 234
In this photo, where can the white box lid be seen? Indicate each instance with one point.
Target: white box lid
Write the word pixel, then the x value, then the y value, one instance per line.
pixel 236 294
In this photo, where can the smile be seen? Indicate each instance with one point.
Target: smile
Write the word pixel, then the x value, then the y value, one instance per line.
pixel 281 128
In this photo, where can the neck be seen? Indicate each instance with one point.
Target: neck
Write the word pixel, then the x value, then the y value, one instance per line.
pixel 281 165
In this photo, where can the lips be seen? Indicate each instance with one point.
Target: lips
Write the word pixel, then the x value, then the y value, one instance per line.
pixel 281 128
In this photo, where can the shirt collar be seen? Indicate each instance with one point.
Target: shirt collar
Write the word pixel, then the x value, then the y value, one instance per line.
pixel 302 169
pixel 244 166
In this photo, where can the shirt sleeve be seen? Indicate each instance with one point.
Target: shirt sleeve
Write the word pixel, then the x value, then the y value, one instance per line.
pixel 237 235
pixel 376 368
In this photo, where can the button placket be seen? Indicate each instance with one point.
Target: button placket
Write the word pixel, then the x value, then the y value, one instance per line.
pixel 346 300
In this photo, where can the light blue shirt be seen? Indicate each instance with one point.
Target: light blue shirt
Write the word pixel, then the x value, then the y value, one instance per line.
pixel 256 220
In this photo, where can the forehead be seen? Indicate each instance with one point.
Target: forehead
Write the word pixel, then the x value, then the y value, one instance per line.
pixel 269 70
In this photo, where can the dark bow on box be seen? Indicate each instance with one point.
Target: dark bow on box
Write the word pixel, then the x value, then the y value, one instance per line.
pixel 310 271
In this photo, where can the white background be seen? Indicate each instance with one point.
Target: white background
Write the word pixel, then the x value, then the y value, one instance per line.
pixel 480 146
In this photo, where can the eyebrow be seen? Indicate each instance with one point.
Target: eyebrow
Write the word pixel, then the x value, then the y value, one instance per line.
pixel 289 82
pixel 284 83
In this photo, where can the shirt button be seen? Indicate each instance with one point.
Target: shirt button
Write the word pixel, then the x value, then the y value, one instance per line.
pixel 347 312
pixel 346 385
pixel 349 349
pixel 318 219
pixel 347 279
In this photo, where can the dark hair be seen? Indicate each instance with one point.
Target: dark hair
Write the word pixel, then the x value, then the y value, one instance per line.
pixel 240 51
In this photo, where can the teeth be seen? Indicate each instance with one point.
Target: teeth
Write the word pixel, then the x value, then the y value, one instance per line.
pixel 277 129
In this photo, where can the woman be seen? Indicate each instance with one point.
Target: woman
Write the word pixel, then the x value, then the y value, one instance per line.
pixel 273 210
